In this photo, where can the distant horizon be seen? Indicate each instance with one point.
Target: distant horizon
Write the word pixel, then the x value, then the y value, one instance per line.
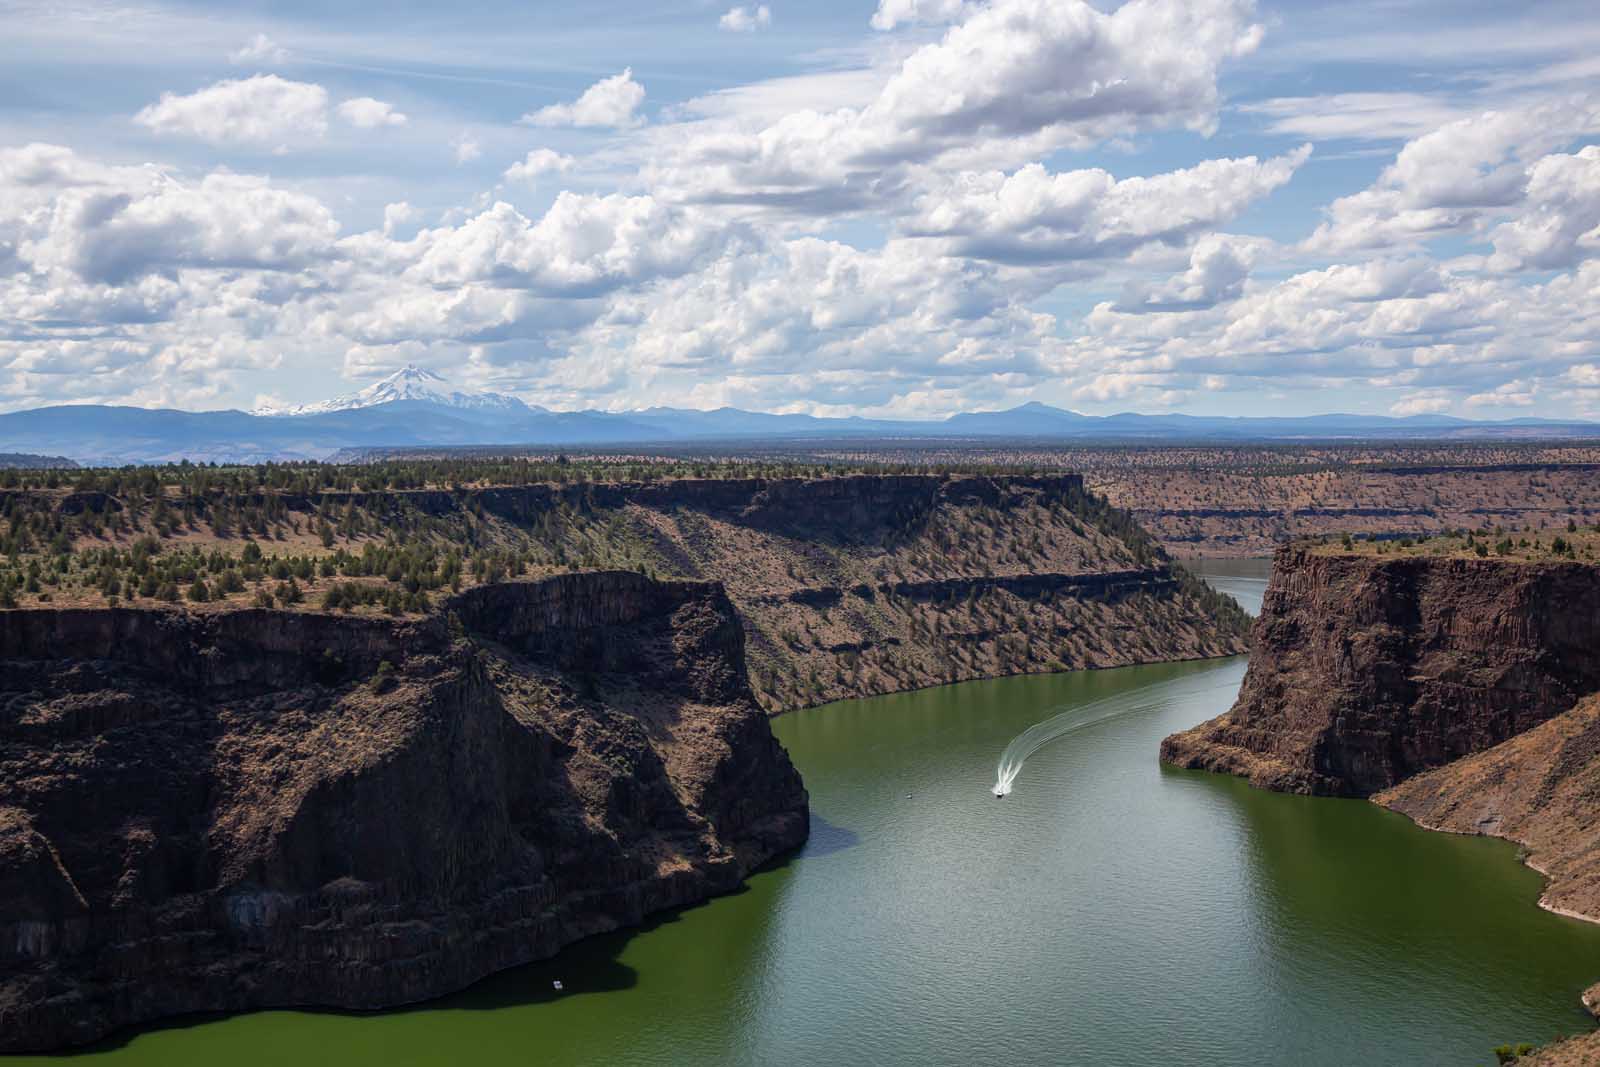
pixel 911 420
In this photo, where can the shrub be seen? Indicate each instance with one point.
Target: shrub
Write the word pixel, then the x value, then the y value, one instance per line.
pixel 383 680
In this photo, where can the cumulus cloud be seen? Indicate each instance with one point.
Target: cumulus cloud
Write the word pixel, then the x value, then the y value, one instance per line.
pixel 260 49
pixel 746 19
pixel 612 102
pixel 1016 79
pixel 1425 403
pixel 397 215
pixel 115 235
pixel 1449 180
pixel 1558 223
pixel 841 326
pixel 892 13
pixel 261 110
pixel 366 113
pixel 1219 265
pixel 1512 394
pixel 1034 216
pixel 538 162
pixel 582 246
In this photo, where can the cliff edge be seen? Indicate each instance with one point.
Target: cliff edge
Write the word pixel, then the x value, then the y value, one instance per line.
pixel 261 808
pixel 1366 670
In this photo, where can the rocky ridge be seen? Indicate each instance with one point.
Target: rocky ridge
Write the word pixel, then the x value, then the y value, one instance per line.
pixel 253 808
pixel 1367 670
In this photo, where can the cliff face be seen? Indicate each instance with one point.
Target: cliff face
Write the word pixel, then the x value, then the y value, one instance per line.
pixel 847 586
pixel 254 808
pixel 867 584
pixel 1365 670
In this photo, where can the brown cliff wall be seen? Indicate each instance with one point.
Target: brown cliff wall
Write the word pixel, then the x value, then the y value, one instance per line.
pixel 1365 671
pixel 239 810
pixel 847 586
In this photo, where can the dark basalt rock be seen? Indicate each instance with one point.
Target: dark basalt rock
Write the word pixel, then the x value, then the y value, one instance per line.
pixel 1365 671
pixel 257 808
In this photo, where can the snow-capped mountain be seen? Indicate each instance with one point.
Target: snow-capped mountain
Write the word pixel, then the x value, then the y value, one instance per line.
pixel 411 382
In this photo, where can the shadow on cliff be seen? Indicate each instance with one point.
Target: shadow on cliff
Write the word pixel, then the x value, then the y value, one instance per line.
pixel 587 967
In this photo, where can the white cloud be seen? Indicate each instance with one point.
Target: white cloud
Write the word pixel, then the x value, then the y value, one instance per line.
pixel 1427 403
pixel 1448 180
pixel 539 161
pixel 260 49
pixel 1017 79
pixel 466 148
pixel 397 215
pixel 233 221
pixel 1512 394
pixel 892 13
pixel 1586 375
pixel 582 247
pixel 746 19
pixel 1219 265
pixel 1033 216
pixel 1559 222
pixel 366 113
pixel 262 110
pixel 612 101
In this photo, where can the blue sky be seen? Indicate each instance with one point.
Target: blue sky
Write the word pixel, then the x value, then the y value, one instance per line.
pixel 892 207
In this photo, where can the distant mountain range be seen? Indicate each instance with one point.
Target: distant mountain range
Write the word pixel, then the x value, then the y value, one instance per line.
pixel 415 407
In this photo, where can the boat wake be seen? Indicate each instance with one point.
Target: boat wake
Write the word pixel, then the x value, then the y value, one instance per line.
pixel 1076 717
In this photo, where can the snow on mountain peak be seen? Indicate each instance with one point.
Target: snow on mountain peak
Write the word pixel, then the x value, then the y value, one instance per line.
pixel 410 382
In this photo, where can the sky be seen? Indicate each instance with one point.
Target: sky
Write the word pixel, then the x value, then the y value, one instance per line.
pixel 880 207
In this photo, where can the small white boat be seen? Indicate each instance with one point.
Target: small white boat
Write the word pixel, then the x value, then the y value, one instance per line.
pixel 556 985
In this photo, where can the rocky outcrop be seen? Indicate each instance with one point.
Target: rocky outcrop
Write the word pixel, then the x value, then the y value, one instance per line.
pixel 1367 670
pixel 215 812
pixel 1538 789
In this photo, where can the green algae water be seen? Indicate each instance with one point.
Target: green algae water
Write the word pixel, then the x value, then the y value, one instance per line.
pixel 1109 911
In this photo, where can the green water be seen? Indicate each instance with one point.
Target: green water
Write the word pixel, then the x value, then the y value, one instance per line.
pixel 1110 912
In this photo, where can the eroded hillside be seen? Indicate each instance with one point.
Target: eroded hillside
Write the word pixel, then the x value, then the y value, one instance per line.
pixel 848 584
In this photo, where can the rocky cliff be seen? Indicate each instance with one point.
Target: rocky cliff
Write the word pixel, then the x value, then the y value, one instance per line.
pixel 1366 670
pixel 847 585
pixel 866 584
pixel 861 584
pixel 214 812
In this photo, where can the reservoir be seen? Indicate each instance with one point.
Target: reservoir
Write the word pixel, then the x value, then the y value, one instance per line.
pixel 1109 911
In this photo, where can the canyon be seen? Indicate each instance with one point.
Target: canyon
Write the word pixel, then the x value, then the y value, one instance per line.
pixel 219 807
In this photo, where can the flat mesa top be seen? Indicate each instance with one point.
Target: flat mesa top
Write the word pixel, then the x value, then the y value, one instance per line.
pixel 1566 543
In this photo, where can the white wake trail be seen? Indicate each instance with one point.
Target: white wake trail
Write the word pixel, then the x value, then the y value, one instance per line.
pixel 1072 719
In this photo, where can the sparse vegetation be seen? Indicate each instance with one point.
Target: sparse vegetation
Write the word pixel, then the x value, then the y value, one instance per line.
pixel 893 585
